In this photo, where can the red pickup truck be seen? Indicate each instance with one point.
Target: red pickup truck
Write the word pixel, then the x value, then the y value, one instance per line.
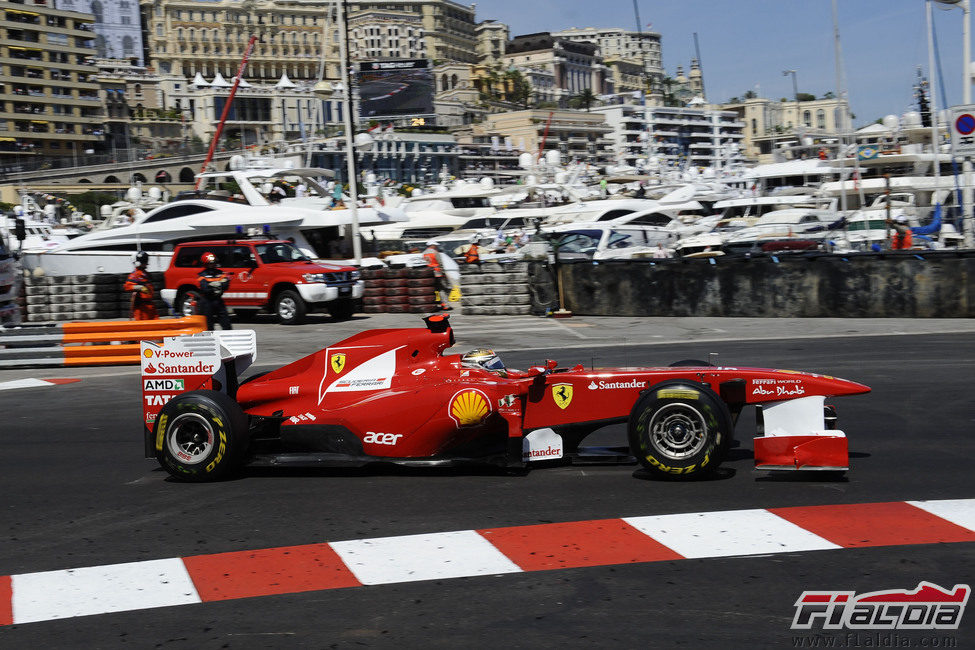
pixel 265 274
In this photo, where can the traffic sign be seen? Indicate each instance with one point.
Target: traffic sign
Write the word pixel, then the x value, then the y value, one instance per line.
pixel 962 128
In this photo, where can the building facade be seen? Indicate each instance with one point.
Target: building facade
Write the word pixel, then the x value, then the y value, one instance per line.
pixel 492 37
pixel 643 48
pixel 771 124
pixel 49 97
pixel 576 135
pixel 376 35
pixel 118 34
pixel 672 136
pixel 575 67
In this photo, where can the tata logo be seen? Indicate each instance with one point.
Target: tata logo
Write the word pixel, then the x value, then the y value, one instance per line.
pixel 166 385
pixel 562 394
pixel 337 361
pixel 158 400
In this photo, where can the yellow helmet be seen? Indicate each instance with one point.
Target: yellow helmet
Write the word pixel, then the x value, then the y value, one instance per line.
pixel 484 359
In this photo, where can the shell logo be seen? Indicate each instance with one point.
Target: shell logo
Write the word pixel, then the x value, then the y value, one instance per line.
pixel 469 407
pixel 148 353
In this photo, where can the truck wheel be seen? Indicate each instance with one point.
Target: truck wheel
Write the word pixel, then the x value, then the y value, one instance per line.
pixel 290 308
pixel 677 429
pixel 200 436
pixel 187 303
pixel 341 309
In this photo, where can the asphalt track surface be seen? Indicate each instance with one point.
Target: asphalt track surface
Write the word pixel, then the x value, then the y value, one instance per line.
pixel 77 493
pixel 414 99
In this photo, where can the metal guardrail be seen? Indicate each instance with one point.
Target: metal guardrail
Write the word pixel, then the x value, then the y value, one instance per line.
pixel 88 343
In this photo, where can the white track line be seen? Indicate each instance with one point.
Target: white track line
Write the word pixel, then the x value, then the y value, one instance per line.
pixel 410 558
pixel 734 532
pixel 101 589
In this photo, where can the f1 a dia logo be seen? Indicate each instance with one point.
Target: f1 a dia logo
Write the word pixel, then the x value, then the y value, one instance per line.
pixel 337 361
pixel 562 394
pixel 163 385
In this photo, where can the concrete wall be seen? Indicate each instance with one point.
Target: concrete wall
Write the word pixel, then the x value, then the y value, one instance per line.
pixel 922 285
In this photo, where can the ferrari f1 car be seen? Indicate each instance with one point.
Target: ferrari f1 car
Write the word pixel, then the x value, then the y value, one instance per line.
pixel 394 396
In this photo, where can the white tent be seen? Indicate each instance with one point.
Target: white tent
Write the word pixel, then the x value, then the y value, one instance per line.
pixel 284 82
pixel 220 82
pixel 199 81
pixel 243 83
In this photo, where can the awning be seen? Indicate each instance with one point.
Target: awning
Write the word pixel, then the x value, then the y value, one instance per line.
pixel 2 139
pixel 39 122
pixel 18 11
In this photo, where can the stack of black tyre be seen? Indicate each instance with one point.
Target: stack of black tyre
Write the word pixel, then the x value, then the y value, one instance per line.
pixel 82 297
pixel 399 290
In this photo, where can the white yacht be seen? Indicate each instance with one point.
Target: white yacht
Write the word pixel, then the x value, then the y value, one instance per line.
pixel 318 231
pixel 789 229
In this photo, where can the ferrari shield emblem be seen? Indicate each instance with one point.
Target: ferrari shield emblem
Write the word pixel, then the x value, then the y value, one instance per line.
pixel 338 362
pixel 562 394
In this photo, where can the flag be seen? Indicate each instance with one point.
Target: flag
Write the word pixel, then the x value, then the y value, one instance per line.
pixel 867 152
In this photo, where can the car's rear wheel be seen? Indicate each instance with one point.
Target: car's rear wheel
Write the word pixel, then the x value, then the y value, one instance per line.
pixel 187 303
pixel 200 436
pixel 289 307
pixel 677 429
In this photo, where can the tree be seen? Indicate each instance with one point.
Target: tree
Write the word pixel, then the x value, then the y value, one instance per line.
pixel 829 94
pixel 805 97
pixel 518 89
pixel 584 99
pixel 733 100
pixel 750 94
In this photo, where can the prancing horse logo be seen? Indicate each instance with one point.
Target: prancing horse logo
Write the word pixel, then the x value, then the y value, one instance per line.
pixel 562 394
pixel 338 362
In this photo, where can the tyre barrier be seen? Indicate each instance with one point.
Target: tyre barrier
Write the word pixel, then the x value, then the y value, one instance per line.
pixel 81 297
pixel 399 290
pixel 495 289
pixel 92 343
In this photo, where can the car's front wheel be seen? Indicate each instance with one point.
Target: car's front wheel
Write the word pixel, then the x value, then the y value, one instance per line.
pixel 678 428
pixel 289 307
pixel 200 436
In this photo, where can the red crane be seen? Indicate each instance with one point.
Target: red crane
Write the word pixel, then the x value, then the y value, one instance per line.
pixel 226 109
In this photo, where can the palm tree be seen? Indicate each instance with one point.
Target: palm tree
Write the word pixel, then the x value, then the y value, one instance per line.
pixel 586 98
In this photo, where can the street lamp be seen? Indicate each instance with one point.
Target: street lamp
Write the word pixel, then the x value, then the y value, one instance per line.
pixel 795 87
pixel 966 86
pixel 324 89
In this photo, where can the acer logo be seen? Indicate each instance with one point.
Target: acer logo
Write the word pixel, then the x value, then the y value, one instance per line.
pixel 381 438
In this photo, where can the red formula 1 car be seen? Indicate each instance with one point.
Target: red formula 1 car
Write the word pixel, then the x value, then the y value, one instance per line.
pixel 394 396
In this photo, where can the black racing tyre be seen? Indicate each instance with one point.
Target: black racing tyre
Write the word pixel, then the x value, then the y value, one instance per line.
pixel 200 436
pixel 289 307
pixel 187 303
pixel 342 309
pixel 420 291
pixel 374 300
pixel 695 363
pixel 369 274
pixel 370 292
pixel 422 282
pixel 679 429
pixel 397 282
pixel 396 291
pixel 421 272
pixel 397 300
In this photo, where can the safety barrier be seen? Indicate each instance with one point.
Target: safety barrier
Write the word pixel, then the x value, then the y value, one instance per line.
pixel 92 343
pixel 493 289
pixel 81 297
pixel 399 290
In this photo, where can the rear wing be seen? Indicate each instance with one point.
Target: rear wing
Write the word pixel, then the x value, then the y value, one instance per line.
pixel 204 361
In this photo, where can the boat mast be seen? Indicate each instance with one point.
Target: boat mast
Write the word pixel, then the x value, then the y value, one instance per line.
pixel 226 110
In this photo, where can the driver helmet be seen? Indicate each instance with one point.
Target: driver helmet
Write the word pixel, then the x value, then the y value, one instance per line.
pixel 141 258
pixel 484 359
pixel 209 259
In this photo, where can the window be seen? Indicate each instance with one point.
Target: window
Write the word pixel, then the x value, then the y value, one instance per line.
pixel 821 119
pixel 807 118
pixel 175 211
